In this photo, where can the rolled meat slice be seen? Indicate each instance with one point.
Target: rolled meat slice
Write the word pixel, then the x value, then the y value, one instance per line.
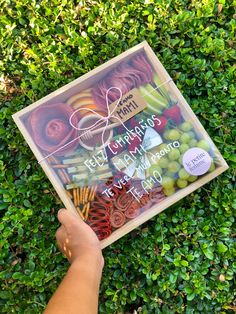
pixel 117 218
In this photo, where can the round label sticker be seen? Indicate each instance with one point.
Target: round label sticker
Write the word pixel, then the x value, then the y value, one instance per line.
pixel 196 161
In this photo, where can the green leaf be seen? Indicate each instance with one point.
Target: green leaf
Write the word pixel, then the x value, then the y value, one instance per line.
pixel 133 296
pixel 191 296
pixel 184 263
pixel 221 247
pixel 208 253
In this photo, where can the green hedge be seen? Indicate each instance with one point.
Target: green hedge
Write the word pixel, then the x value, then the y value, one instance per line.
pixel 182 261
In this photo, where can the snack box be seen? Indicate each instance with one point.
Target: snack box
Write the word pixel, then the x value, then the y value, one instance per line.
pixel 120 144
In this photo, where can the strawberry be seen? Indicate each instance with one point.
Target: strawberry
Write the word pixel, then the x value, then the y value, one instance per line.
pixel 173 113
pixel 160 124
pixel 134 144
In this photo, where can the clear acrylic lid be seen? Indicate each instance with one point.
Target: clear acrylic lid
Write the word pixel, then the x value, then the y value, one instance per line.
pixel 121 142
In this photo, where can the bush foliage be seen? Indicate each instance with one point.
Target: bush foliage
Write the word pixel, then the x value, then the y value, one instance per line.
pixel 181 261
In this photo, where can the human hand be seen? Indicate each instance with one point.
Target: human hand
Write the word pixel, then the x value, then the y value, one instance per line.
pixel 76 239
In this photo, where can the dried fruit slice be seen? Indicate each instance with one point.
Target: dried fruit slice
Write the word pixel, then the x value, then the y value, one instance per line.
pixel 85 93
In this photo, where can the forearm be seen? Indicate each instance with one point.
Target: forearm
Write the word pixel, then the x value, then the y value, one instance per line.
pixel 78 291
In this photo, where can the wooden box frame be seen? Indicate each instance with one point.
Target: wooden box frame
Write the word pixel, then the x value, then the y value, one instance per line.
pixel 82 83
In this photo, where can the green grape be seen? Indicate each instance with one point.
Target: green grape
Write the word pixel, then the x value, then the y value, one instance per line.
pixel 166 134
pixel 169 192
pixel 204 145
pixel 192 134
pixel 162 146
pixel 193 142
pixel 185 138
pixel 163 162
pixel 154 168
pixel 173 166
pixel 174 135
pixel 212 167
pixel 182 183
pixel 183 174
pixel 174 154
pixel 186 126
pixel 192 178
pixel 183 148
pixel 180 160
pixel 170 174
pixel 167 182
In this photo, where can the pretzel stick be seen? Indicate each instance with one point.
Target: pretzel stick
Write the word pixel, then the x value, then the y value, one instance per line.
pixel 86 195
pixel 80 192
pixel 91 193
pixel 79 212
pixel 75 198
pixel 94 192
pixel 84 209
pixel 82 196
pixel 87 211
pixel 77 194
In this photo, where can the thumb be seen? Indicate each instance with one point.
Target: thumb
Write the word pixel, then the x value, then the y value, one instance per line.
pixel 68 218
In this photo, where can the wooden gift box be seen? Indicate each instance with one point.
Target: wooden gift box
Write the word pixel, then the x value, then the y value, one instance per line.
pixel 90 79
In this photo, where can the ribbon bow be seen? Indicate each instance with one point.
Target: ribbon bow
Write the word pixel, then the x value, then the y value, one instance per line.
pixel 106 119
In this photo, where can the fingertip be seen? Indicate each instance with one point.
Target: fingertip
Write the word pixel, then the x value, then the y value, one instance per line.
pixel 60 214
pixel 67 217
pixel 61 210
